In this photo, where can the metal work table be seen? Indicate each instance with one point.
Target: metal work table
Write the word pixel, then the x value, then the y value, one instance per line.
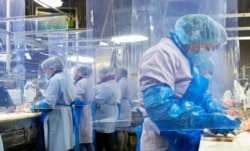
pixel 18 128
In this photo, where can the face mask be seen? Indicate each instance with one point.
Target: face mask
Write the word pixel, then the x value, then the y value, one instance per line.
pixel 208 76
pixel 74 79
pixel 198 58
pixel 46 78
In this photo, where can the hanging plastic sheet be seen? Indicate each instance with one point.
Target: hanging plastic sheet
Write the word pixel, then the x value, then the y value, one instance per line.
pixel 155 19
pixel 57 37
pixel 162 16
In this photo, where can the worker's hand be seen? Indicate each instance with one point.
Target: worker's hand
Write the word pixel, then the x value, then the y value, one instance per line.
pixel 225 131
pixel 43 106
pixel 33 108
pixel 233 112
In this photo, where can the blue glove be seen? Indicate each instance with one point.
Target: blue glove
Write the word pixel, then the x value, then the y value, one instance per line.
pixel 169 114
pixel 43 106
pixel 214 121
pixel 33 109
pixel 210 105
pixel 225 132
pixel 39 106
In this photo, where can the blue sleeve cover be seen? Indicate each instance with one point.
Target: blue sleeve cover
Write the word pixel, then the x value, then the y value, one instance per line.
pixel 170 114
pixel 210 105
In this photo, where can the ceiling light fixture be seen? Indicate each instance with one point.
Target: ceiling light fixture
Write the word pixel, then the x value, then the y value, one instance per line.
pixel 27 55
pixel 129 38
pixel 49 3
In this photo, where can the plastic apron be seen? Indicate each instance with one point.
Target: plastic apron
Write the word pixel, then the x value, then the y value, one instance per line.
pixel 77 110
pixel 194 93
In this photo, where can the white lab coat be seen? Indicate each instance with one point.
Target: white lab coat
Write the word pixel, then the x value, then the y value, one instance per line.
pixel 107 96
pixel 58 124
pixel 163 63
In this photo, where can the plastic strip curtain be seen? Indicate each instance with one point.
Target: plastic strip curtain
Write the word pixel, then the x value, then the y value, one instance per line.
pixel 57 37
pixel 13 44
pixel 17 58
pixel 162 16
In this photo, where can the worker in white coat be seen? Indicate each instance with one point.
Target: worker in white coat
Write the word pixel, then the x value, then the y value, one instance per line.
pixel 55 107
pixel 84 92
pixel 124 120
pixel 173 92
pixel 107 95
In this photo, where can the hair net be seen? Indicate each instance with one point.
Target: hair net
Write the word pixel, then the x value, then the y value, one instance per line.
pixel 123 72
pixel 53 64
pixel 199 28
pixel 83 70
pixel 106 71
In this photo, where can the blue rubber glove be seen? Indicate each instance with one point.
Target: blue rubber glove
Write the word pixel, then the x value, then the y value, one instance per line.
pixel 169 114
pixel 224 132
pixel 33 109
pixel 43 106
pixel 210 105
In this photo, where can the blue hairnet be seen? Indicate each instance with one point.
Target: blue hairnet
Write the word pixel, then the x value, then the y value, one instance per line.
pixel 53 64
pixel 83 70
pixel 199 28
pixel 106 71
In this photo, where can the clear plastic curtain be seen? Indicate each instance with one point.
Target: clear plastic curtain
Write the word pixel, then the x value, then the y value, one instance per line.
pixel 17 58
pixel 57 36
pixel 156 18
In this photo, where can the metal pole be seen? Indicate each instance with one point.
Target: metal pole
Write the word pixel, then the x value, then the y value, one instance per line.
pixel 8 14
pixel 243 72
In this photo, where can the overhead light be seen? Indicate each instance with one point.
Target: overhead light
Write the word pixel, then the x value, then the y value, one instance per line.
pixel 3 57
pixel 27 55
pixel 129 38
pixel 49 3
pixel 101 43
pixel 80 59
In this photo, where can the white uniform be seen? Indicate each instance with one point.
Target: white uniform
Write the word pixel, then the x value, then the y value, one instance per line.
pixel 107 96
pixel 163 63
pixel 58 124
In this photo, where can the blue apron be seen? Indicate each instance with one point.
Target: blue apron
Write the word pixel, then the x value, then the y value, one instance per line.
pixel 77 110
pixel 187 140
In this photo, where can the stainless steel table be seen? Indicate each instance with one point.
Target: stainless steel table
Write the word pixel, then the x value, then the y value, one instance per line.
pixel 18 128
